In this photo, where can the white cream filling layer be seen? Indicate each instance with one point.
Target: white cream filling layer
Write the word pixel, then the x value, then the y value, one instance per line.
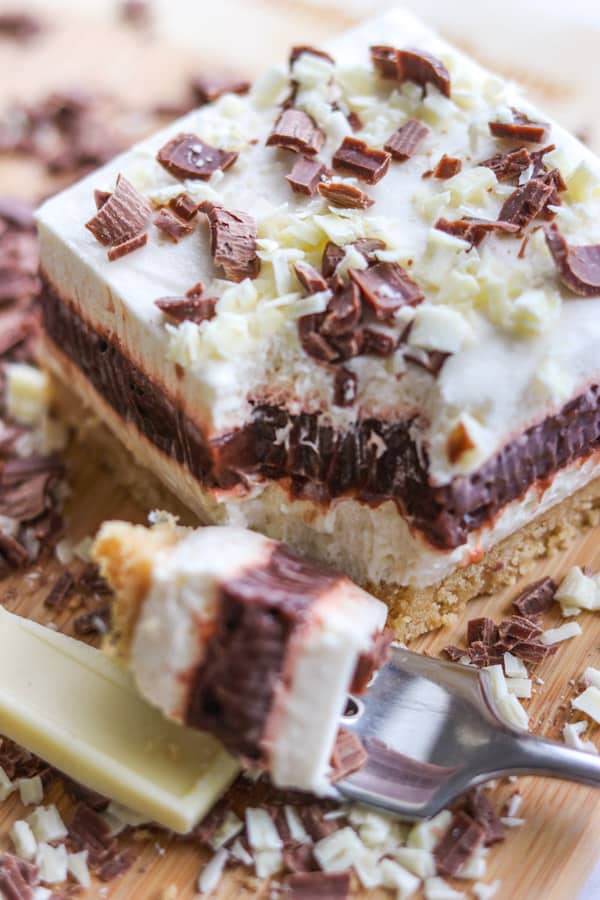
pixel 320 666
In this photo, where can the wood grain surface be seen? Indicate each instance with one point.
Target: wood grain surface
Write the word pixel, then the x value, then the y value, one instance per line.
pixel 552 854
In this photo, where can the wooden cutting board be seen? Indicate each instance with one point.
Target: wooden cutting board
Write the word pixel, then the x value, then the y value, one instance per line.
pixel 553 853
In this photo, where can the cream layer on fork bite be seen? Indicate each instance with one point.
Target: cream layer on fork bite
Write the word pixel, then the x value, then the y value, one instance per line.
pixel 356 309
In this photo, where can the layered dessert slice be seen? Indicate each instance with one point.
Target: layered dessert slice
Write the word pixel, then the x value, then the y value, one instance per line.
pixel 233 633
pixel 356 309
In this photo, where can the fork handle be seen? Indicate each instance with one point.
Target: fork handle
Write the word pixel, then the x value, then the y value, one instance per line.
pixel 528 755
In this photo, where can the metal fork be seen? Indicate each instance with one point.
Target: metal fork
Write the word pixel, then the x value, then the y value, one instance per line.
pixel 432 731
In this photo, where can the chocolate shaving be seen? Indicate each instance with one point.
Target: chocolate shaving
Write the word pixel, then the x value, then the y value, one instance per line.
pixel 192 308
pixel 306 175
pixel 100 198
pixel 296 130
pixel 354 157
pixel 578 267
pixel 315 885
pixel 474 230
pixel 127 247
pixel 187 156
pixel 347 196
pixel 404 143
pixel 344 387
pixel 95 622
pixel 91 581
pixel 531 651
pixel 17 878
pixel 208 89
pixel 184 207
pixel 233 241
pixel 348 755
pixel 313 343
pixel 522 128
pixel 298 857
pixel 518 628
pixel 78 793
pixel 430 360
pixel 122 217
pixel 172 226
pixel 478 806
pixel 26 500
pixel 18 762
pixel 387 287
pixel 462 838
pixel 447 167
pixel 371 662
pixel 311 280
pixel 333 254
pixel 536 598
pixel 411 65
pixel 314 823
pixel 115 866
pixel 343 312
pixel 59 593
pixel 89 831
pixel 378 343
pixel 483 629
pixel 526 203
pixel 300 49
pixel 459 442
pixel 483 655
pixel 454 653
pixel 509 166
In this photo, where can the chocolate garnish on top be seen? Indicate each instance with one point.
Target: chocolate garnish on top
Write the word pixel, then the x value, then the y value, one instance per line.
pixel 127 247
pixel 300 49
pixel 305 175
pixel 354 157
pixel 343 311
pixel 536 598
pixel 296 130
pixel 405 142
pixel 578 267
pixel 344 388
pixel 172 226
pixel 207 89
pixel 187 156
pixel 184 207
pixel 387 287
pixel 310 279
pixel 347 196
pixel 233 241
pixel 509 166
pixel 526 203
pixel 411 65
pixel 121 217
pixel 447 167
pixel 522 128
pixel 194 307
pixel 473 230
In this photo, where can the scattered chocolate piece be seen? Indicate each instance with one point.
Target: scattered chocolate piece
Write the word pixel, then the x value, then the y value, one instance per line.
pixel 578 267
pixel 377 343
pixel 314 823
pixel 18 762
pixel 522 128
pixel 518 628
pixel 348 755
pixel 121 217
pixel 191 308
pixel 187 156
pixel 17 878
pixel 478 806
pixel 531 651
pixel 297 51
pixel 310 279
pixel 354 121
pixel 20 26
pixel 115 866
pixel 463 836
pixel 100 198
pixel 184 207
pixel 482 655
pixel 233 241
pixel 345 195
pixel 333 254
pixel 344 387
pixel 454 653
pixel 208 89
pixel 305 175
pixel 60 591
pixel 78 793
pixel 509 166
pixel 298 858
pixel 447 167
pixel 474 230
pixel 296 130
pixel 368 247
pixel 459 442
pixel 172 226
pixel 313 343
pixel 430 360
pixel 354 157
pixel 387 287
pixel 343 312
pixel 12 552
pixel 127 247
pixel 526 203
pixel 315 885
pixel 91 580
pixel 404 143
pixel 536 598
pixel 92 623
pixel 483 629
pixel 411 65
pixel 89 831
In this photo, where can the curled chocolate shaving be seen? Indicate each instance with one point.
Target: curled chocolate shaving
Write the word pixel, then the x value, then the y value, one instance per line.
pixel 100 198
pixel 207 89
pixel 536 598
pixel 522 128
pixel 509 166
pixel 474 230
pixel 233 241
pixel 121 217
pixel 483 629
pixel 184 207
pixel 187 156
pixel 387 287
pixel 354 157
pixel 404 143
pixel 172 226
pixel 305 175
pixel 447 167
pixel 310 279
pixel 127 247
pixel 313 343
pixel 343 311
pixel 348 755
pixel 191 308
pixel 461 839
pixel 344 388
pixel 300 49
pixel 345 195
pixel 333 254
pixel 296 130
pixel 526 203
pixel 578 267
pixel 411 65
pixel 518 628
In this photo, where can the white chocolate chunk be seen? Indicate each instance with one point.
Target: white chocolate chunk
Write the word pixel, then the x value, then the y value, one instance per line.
pixel 31 790
pixel 78 867
pixel 395 877
pixel 212 872
pixel 577 591
pixel 588 703
pixel 52 863
pixel 337 851
pixel 562 633
pixel 418 861
pixel 46 824
pixel 28 393
pixel 484 891
pixel 438 889
pixel 23 840
pixel 514 667
pixel 592 676
pixel 262 831
pixel 520 687
pixel 6 785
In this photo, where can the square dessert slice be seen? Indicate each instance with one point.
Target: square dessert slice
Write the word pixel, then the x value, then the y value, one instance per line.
pixel 357 309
